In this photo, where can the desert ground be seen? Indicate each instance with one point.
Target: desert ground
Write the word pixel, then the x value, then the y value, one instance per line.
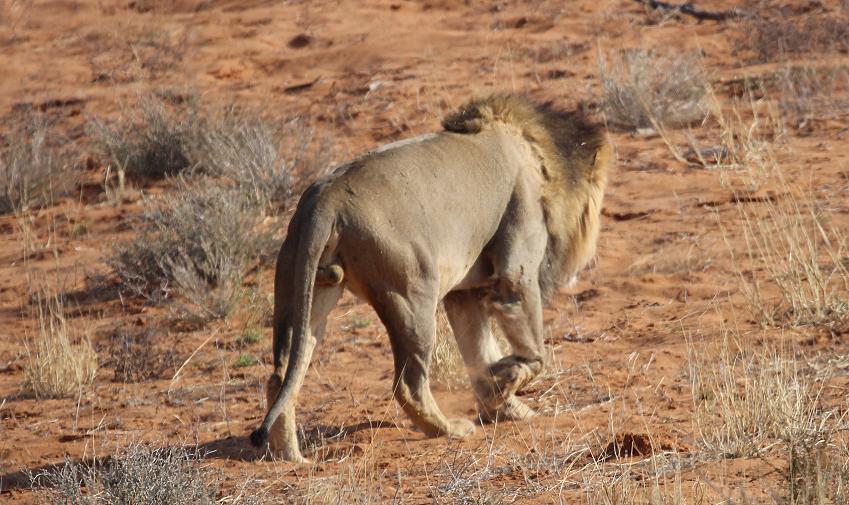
pixel 152 153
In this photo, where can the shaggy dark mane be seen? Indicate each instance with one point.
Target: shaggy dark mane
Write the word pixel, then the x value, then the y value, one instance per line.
pixel 574 156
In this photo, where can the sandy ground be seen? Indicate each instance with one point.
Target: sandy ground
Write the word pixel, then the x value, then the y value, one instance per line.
pixel 364 74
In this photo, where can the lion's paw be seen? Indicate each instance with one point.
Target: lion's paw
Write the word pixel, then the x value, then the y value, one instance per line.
pixel 512 409
pixel 460 428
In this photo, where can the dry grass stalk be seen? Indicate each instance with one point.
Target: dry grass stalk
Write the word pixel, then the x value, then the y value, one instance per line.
pixel 446 367
pixel 777 37
pixel 56 367
pixel 32 171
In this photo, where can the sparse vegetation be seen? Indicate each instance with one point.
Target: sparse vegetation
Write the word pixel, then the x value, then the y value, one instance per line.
pixel 777 37
pixel 32 170
pixel 747 400
pixel 646 89
pixel 200 242
pixel 751 410
pixel 245 150
pixel 136 475
pixel 245 360
pixel 251 336
pixel 58 362
pixel 813 93
pixel 150 140
pixel 797 250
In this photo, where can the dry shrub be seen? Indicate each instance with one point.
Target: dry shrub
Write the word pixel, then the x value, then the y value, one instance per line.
pixel 32 171
pixel 643 88
pixel 58 365
pixel 776 37
pixel 154 138
pixel 259 159
pixel 447 368
pixel 201 241
pixel 136 475
pixel 473 478
pixel 151 139
pixel 137 53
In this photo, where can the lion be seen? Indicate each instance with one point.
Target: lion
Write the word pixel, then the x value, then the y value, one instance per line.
pixel 487 216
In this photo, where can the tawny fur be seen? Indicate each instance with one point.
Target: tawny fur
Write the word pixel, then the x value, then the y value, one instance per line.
pixel 574 157
pixel 487 216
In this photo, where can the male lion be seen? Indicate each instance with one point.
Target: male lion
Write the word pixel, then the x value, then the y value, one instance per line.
pixel 487 216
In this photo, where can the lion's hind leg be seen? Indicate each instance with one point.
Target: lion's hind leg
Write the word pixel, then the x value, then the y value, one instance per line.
pixel 412 332
pixel 282 437
pixel 469 318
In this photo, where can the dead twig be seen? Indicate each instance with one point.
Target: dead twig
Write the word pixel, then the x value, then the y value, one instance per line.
pixel 691 10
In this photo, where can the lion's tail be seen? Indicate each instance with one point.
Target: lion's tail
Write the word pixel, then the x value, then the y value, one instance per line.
pixel 312 241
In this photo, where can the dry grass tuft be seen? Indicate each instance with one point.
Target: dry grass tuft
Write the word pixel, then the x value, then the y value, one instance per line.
pixel 32 171
pixel 645 89
pixel 748 401
pixel 797 252
pixel 57 365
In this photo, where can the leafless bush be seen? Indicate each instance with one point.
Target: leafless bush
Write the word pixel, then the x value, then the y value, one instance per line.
pixel 151 139
pixel 774 38
pixel 245 149
pixel 56 367
pixel 470 478
pixel 199 240
pixel 32 171
pixel 137 475
pixel 135 356
pixel 643 88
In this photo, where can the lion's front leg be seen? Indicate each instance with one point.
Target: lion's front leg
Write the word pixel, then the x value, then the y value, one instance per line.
pixel 518 309
pixel 467 312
